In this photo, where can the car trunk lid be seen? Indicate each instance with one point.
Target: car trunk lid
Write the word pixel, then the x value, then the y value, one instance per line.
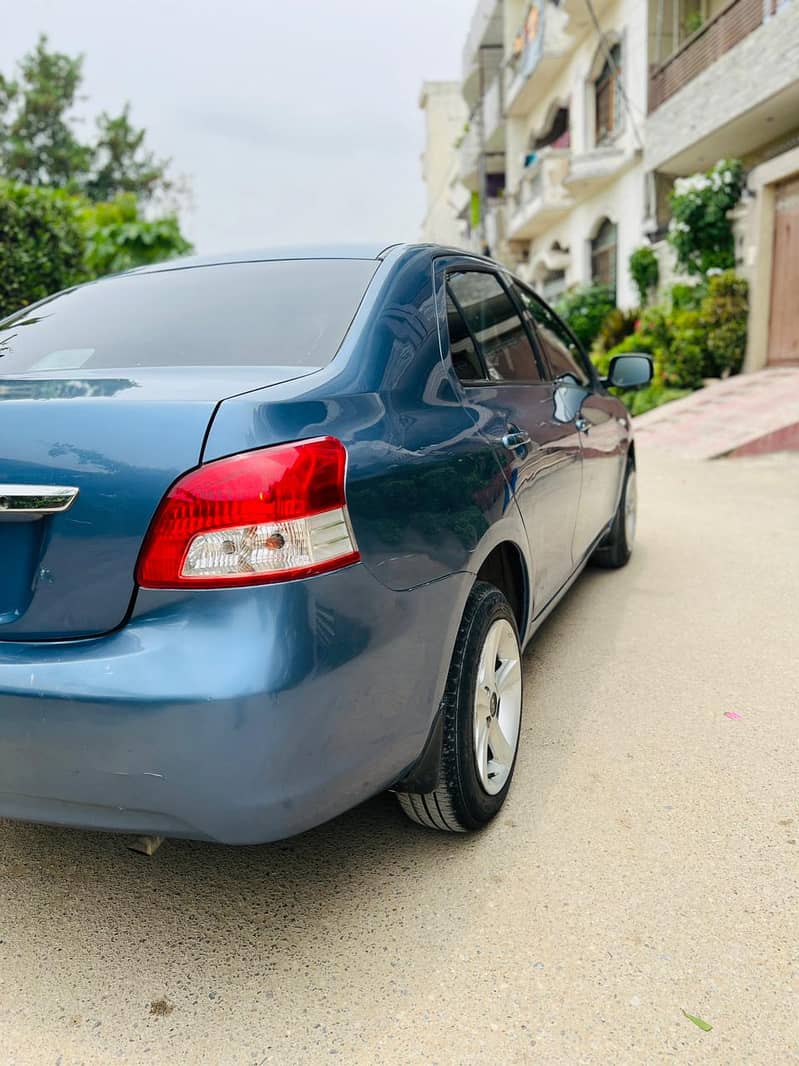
pixel 120 438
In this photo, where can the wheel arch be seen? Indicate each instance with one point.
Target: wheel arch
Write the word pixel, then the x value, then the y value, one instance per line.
pixel 506 569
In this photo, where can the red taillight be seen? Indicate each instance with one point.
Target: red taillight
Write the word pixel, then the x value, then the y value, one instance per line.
pixel 267 515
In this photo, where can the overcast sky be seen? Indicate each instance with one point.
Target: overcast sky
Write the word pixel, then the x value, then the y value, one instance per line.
pixel 295 121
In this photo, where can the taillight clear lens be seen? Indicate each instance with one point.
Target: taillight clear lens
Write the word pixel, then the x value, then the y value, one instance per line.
pixel 267 515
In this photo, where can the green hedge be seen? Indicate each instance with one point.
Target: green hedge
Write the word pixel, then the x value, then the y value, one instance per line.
pixel 42 244
pixel 50 240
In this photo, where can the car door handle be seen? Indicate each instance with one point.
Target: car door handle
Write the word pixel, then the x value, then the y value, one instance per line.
pixel 36 499
pixel 512 441
pixel 582 424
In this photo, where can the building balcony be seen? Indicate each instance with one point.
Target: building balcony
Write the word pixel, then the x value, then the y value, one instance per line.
pixel 494 115
pixel 702 109
pixel 542 196
pixel 470 154
pixel 496 225
pixel 591 171
pixel 709 43
pixel 544 43
pixel 469 158
pixel 483 41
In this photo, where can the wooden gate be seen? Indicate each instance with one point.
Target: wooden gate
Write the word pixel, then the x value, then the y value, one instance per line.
pixel 783 343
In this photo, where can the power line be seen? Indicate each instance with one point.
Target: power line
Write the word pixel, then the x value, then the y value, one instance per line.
pixel 619 80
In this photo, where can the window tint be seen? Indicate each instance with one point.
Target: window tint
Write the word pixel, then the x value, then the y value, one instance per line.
pixel 495 324
pixel 286 313
pixel 464 355
pixel 562 353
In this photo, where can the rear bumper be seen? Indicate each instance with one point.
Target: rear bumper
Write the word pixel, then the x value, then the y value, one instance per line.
pixel 242 715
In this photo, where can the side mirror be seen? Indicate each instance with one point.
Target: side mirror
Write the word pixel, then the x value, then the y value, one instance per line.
pixel 629 371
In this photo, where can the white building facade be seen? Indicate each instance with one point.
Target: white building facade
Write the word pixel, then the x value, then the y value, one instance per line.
pixel 581 113
pixel 445 116
pixel 724 82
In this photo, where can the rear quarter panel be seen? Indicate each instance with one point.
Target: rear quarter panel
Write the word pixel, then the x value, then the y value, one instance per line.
pixel 426 494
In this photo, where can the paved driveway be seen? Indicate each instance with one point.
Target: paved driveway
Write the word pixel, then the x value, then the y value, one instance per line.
pixel 647 860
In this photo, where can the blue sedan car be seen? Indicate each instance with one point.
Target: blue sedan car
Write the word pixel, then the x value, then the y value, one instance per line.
pixel 275 531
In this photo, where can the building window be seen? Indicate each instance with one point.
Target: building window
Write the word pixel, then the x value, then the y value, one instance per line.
pixel 607 96
pixel 603 256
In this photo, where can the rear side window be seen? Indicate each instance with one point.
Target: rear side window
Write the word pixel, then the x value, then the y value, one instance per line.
pixel 465 360
pixel 495 326
pixel 279 313
pixel 561 351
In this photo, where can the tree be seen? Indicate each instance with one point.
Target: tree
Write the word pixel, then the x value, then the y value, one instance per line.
pixel 118 238
pixel 122 164
pixel 42 244
pixel 38 145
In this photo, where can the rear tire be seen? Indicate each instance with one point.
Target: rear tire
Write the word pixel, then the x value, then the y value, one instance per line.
pixel 617 547
pixel 482 709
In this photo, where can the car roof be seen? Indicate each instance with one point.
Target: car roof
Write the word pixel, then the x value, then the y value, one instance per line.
pixel 373 250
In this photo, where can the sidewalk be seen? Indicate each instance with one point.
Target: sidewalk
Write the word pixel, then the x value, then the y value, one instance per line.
pixel 750 414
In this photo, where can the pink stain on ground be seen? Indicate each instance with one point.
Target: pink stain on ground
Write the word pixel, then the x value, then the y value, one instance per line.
pixel 732 714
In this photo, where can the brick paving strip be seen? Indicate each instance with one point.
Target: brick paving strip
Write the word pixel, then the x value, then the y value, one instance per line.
pixel 750 414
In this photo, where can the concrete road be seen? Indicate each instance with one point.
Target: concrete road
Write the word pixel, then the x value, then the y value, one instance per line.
pixel 646 862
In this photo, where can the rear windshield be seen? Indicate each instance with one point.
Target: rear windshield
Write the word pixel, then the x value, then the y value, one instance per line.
pixel 286 313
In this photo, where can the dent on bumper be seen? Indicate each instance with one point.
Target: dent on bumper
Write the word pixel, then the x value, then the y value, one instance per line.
pixel 239 715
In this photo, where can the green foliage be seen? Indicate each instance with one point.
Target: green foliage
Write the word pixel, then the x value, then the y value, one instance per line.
pixel 42 244
pixel 724 314
pixel 121 163
pixel 686 297
pixel 69 210
pixel 640 401
pixel 693 21
pixel 39 145
pixel 699 231
pixel 618 324
pixel 702 334
pixel 645 272
pixel 117 238
pixel 584 310
pixel 683 366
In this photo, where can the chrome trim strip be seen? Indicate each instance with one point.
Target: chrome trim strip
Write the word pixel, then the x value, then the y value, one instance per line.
pixel 36 499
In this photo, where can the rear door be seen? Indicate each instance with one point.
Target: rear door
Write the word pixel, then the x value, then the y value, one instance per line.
pixel 591 415
pixel 504 387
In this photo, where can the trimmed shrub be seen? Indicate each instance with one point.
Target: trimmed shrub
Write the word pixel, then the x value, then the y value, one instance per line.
pixel 645 272
pixel 724 314
pixel 686 297
pixel 684 365
pixel 585 309
pixel 42 244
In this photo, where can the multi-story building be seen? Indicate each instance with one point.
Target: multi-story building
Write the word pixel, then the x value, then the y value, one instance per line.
pixel 481 149
pixel 724 81
pixel 581 113
pixel 445 116
pixel 575 104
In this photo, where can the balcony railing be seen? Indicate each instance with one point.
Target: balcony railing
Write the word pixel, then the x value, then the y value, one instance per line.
pixel 543 43
pixel 494 112
pixel 710 42
pixel 469 156
pixel 541 195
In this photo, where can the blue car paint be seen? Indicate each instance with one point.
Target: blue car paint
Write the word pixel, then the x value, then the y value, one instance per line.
pixel 239 715
pixel 121 441
pixel 249 714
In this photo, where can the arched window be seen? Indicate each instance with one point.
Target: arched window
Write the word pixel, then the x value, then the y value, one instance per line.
pixel 607 96
pixel 603 255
